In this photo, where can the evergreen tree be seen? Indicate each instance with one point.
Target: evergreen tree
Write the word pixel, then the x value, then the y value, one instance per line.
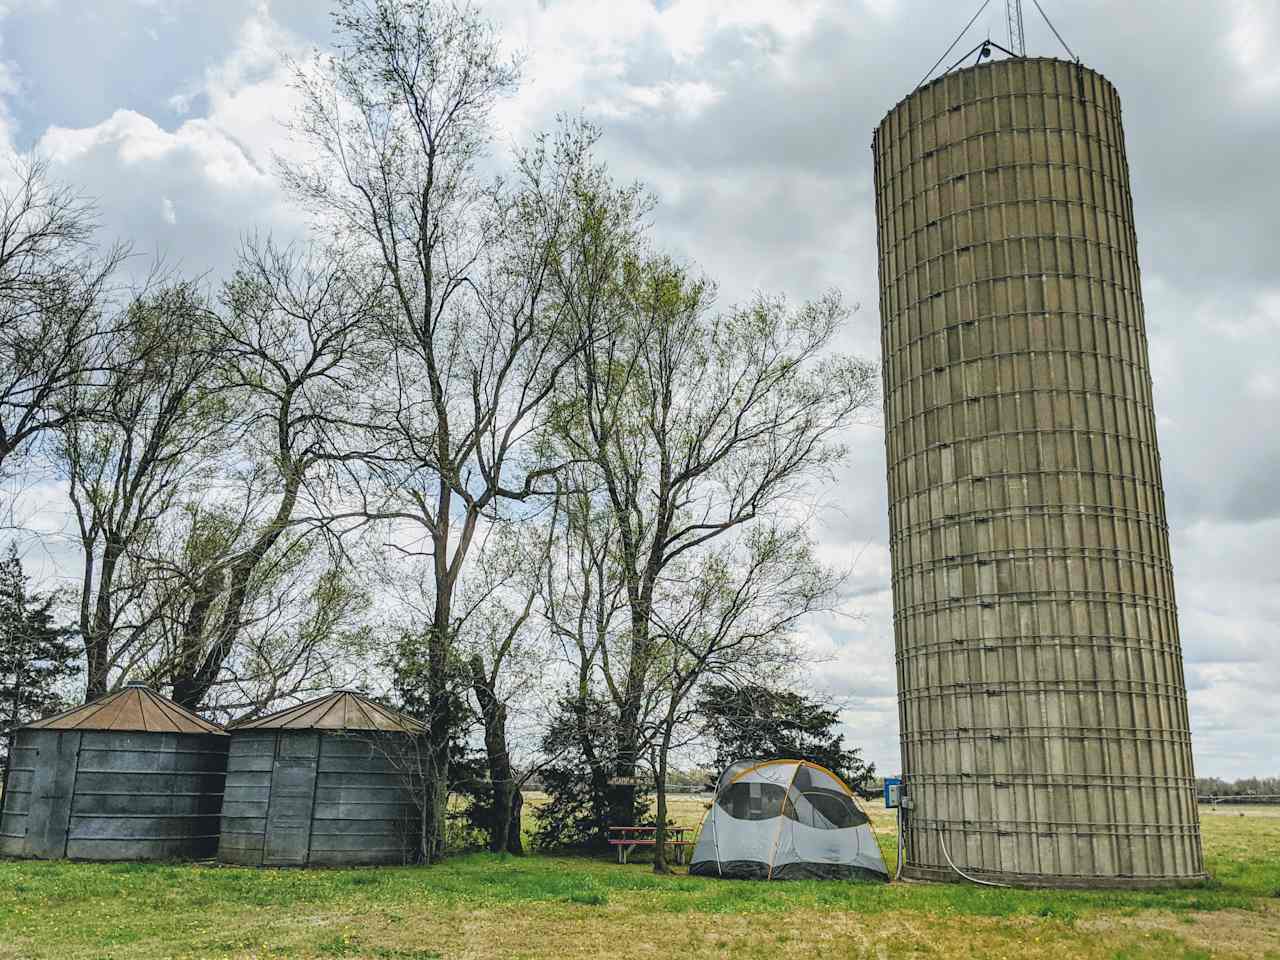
pixel 758 722
pixel 467 819
pixel 36 656
pixel 583 744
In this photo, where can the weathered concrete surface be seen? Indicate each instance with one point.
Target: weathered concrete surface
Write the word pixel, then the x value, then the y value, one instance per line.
pixel 1041 694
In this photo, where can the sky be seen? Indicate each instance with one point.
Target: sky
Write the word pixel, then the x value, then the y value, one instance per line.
pixel 752 122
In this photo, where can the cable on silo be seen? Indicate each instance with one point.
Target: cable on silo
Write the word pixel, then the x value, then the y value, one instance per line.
pixel 957 40
pixel 1055 31
pixel 986 883
pixel 897 874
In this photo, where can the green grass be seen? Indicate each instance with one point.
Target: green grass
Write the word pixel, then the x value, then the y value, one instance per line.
pixel 412 913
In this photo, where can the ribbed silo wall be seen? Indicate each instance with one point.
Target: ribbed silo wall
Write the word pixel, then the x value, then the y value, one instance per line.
pixel 108 795
pixel 315 798
pixel 1042 703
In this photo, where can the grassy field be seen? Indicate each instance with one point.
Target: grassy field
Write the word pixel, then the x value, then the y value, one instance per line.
pixel 564 908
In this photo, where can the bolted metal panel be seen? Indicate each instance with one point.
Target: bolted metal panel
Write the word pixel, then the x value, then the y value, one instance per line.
pixel 317 798
pixel 250 762
pixel 15 808
pixel 107 795
pixel 1041 697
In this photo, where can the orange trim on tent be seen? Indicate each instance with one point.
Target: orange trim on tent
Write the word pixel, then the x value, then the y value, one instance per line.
pixel 799 763
pixel 773 854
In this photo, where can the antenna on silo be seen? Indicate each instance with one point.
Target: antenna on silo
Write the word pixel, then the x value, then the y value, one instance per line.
pixel 1017 36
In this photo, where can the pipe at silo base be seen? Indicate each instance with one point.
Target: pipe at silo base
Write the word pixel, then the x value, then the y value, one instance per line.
pixel 1042 704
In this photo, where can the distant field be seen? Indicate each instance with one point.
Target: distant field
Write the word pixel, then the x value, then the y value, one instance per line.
pixel 567 908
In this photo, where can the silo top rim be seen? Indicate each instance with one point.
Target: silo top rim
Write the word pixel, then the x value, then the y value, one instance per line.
pixel 340 710
pixel 985 65
pixel 135 708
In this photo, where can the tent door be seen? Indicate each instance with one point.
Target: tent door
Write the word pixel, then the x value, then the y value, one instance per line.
pixel 293 790
pixel 53 788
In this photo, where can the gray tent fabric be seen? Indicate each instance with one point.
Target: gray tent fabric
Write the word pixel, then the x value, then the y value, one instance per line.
pixel 785 820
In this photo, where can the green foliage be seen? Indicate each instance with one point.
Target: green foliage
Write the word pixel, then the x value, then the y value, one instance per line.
pixel 469 815
pixel 745 722
pixel 1248 786
pixel 37 657
pixel 582 739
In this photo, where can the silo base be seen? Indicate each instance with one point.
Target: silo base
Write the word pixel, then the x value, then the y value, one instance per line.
pixel 1041 881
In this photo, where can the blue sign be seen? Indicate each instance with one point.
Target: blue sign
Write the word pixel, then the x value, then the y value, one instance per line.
pixel 892 790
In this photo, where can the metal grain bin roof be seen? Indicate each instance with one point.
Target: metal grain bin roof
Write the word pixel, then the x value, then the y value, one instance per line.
pixel 135 708
pixel 340 710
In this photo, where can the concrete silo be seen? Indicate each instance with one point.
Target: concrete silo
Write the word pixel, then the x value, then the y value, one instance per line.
pixel 130 776
pixel 329 782
pixel 1041 696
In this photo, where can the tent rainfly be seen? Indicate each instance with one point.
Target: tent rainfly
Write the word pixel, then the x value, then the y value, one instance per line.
pixel 785 820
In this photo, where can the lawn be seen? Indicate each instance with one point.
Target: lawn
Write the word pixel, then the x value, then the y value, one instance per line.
pixel 564 907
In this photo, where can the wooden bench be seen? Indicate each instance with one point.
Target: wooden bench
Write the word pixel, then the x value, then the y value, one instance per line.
pixel 628 838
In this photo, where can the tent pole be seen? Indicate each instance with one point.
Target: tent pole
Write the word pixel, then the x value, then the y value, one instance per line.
pixel 782 817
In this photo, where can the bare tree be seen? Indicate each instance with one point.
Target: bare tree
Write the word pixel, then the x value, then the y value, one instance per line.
pixel 157 425
pixel 698 424
pixel 300 628
pixel 398 118
pixel 728 612
pixel 54 319
pixel 296 346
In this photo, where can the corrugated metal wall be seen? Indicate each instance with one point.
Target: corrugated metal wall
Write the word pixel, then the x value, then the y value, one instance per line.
pixel 299 798
pixel 109 795
pixel 1041 695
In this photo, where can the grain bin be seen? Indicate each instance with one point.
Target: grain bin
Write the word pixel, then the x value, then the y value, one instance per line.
pixel 327 782
pixel 130 776
pixel 1042 704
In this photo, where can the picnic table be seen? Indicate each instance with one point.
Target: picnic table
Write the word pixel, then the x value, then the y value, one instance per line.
pixel 626 839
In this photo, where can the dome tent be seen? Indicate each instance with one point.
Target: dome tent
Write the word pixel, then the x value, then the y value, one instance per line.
pixel 785 820
pixel 129 776
pixel 323 783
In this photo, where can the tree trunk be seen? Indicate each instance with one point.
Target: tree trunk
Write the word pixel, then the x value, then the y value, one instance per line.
pixel 515 825
pixel 97 636
pixel 190 690
pixel 439 706
pixel 187 689
pixel 660 838
pixel 622 805
pixel 494 715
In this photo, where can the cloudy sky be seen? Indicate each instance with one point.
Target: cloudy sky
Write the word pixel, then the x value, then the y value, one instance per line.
pixel 752 121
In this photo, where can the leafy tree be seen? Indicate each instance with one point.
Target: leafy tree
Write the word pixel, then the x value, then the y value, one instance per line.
pixel 757 721
pixel 161 426
pixel 470 818
pixel 398 123
pixel 36 655
pixel 699 426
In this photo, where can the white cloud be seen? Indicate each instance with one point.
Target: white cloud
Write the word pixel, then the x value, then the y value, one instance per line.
pixel 1251 42
pixel 751 121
